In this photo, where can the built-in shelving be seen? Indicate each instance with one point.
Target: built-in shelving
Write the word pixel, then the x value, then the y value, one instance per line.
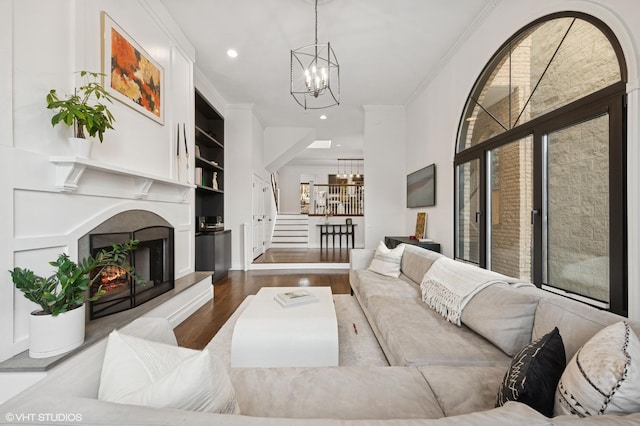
pixel 207 136
pixel 213 243
pixel 208 163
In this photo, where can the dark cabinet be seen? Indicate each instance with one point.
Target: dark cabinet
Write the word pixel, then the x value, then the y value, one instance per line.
pixel 392 242
pixel 213 253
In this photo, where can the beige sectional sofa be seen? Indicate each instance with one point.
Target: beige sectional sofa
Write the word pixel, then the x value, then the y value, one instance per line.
pixel 440 373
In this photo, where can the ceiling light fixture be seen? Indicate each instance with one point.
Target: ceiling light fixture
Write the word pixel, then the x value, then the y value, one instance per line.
pixel 232 53
pixel 315 74
pixel 323 117
pixel 348 162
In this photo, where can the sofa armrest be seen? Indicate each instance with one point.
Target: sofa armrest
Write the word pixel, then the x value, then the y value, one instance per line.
pixel 360 258
pixel 79 375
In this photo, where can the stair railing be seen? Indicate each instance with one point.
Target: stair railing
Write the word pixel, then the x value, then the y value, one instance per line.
pixel 336 200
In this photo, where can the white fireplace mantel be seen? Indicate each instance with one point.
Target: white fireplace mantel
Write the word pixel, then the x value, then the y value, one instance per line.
pixel 69 170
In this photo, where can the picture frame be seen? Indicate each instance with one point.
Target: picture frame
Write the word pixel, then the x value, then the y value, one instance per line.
pixel 421 226
pixel 130 74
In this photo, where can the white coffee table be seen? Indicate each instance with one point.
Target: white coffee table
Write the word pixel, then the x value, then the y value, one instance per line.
pixel 267 334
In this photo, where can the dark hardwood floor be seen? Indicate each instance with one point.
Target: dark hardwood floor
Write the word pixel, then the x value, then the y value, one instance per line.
pixel 296 255
pixel 197 330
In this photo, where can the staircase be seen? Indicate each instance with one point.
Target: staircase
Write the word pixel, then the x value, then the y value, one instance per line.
pixel 291 231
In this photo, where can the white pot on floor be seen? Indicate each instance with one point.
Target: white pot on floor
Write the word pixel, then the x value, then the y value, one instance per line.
pixel 50 336
pixel 81 147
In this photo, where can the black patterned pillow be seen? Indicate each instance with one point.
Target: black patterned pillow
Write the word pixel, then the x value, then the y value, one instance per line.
pixel 534 373
pixel 603 377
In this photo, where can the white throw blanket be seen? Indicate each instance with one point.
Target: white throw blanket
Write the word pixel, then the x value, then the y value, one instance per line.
pixel 448 286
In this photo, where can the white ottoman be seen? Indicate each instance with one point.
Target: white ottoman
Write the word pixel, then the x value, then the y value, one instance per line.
pixel 267 334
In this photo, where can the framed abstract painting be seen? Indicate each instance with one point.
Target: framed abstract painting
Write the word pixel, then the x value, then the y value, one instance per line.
pixel 131 75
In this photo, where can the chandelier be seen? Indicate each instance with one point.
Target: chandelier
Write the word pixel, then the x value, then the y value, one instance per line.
pixel 315 74
pixel 342 165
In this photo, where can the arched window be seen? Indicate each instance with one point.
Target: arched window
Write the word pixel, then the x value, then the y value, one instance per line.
pixel 540 165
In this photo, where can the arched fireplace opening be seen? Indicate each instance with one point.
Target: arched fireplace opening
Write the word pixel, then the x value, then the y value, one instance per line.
pixel 153 260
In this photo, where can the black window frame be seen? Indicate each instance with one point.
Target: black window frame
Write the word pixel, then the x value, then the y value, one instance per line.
pixel 610 100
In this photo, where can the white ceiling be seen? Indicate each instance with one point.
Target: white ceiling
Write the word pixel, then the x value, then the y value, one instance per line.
pixel 387 49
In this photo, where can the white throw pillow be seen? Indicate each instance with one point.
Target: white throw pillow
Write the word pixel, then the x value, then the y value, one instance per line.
pixel 141 372
pixel 387 262
pixel 603 377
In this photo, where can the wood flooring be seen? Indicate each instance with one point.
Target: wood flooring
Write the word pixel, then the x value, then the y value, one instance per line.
pixel 296 255
pixel 197 330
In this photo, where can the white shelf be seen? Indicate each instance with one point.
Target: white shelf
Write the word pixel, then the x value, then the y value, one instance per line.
pixel 69 170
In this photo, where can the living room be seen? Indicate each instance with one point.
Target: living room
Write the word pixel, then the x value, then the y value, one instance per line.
pixel 46 212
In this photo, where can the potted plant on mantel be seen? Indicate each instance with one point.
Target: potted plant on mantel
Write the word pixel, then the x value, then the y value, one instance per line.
pixel 84 110
pixel 58 326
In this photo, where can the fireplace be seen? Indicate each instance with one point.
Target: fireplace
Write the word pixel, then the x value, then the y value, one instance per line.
pixel 153 261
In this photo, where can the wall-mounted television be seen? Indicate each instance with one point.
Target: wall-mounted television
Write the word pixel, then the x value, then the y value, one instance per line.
pixel 421 187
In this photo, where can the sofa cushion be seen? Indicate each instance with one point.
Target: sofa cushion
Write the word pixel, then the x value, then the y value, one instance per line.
pixel 604 375
pixel 463 389
pixel 412 334
pixel 502 315
pixel 369 284
pixel 387 261
pixel 534 373
pixel 576 321
pixel 142 372
pixel 335 392
pixel 416 261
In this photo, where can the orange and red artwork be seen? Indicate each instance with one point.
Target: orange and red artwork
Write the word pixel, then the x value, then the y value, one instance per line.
pixel 133 75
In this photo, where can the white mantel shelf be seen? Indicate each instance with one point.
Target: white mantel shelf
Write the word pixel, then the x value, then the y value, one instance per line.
pixel 69 170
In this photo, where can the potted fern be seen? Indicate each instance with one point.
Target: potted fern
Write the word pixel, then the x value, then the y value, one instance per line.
pixel 85 110
pixel 58 326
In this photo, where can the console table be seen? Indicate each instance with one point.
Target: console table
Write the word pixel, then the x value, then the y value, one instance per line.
pixel 392 242
pixel 336 229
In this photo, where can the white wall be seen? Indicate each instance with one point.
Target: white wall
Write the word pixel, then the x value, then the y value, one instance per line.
pixel 434 113
pixel 39 221
pixel 282 144
pixel 238 164
pixel 385 173
pixel 6 190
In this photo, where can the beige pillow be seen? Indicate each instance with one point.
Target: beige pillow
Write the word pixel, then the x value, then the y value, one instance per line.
pixel 386 261
pixel 141 372
pixel 502 315
pixel 603 377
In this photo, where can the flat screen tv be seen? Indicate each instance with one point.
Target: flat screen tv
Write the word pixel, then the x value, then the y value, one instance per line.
pixel 421 187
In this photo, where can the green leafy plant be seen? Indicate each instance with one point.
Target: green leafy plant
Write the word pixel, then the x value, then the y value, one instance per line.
pixel 64 290
pixel 84 109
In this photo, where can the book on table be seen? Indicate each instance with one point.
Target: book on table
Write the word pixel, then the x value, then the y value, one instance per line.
pixel 295 297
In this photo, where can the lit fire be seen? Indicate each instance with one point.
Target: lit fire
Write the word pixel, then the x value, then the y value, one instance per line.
pixel 112 278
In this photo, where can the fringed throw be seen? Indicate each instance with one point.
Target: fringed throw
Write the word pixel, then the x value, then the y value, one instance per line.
pixel 448 286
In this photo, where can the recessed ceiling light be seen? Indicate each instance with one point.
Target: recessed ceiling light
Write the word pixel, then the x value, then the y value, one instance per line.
pixel 232 53
pixel 323 117
pixel 338 144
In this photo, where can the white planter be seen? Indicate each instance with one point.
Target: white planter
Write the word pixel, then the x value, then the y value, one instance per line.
pixel 50 336
pixel 81 147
